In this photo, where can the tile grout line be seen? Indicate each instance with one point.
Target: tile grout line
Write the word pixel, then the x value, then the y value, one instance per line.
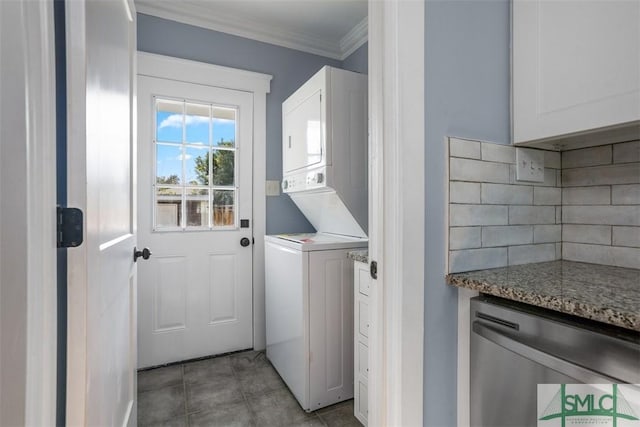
pixel 244 396
pixel 184 389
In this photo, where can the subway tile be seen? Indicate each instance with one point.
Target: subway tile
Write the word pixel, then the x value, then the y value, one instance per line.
pixel 464 238
pixel 547 196
pixel 464 148
pixel 552 159
pixel 477 259
pixel 501 194
pixel 558 177
pixel 592 156
pixel 532 215
pixel 558 251
pixel 547 233
pixel 625 194
pixel 465 215
pixel 527 254
pixel 605 215
pixel 549 178
pixel 626 236
pixel 558 214
pixel 625 173
pixel 478 171
pixel 594 234
pixel 626 152
pixel 586 195
pixel 464 192
pixel 506 235
pixel 498 153
pixel 599 254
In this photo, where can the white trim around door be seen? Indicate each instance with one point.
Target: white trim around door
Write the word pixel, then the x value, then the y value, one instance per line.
pixel 396 243
pixel 166 67
pixel 27 214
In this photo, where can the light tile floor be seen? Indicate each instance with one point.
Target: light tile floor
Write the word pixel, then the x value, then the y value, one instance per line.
pixel 241 389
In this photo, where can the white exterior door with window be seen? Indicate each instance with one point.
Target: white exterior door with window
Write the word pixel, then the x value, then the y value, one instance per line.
pixel 195 148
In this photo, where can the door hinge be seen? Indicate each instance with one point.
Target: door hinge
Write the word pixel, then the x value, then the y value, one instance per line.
pixel 373 270
pixel 253 240
pixel 69 227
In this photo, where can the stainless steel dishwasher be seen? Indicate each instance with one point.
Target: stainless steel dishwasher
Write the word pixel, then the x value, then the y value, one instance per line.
pixel 515 347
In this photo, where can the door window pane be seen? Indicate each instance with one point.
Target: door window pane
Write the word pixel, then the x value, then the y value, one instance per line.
pixel 223 208
pixel 169 120
pixel 223 167
pixel 197 121
pixel 168 207
pixel 197 208
pixel 224 127
pixel 168 164
pixel 196 162
pixel 195 165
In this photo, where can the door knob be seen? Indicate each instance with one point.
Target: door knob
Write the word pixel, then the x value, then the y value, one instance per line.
pixel 245 242
pixel 145 254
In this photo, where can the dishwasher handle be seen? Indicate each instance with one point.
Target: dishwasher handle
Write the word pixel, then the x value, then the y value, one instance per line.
pixel 547 360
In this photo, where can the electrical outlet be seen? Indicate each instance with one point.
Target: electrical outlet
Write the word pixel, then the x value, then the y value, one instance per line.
pixel 529 165
pixel 272 188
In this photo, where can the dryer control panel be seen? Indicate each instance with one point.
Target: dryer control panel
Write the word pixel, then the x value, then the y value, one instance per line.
pixel 303 181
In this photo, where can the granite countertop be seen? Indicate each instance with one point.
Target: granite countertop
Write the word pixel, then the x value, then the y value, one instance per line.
pixel 598 292
pixel 360 255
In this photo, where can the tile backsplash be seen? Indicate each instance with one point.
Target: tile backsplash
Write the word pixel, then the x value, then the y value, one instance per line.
pixel 587 209
pixel 494 220
pixel 601 205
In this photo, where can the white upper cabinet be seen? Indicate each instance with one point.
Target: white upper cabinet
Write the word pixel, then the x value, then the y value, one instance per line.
pixel 576 70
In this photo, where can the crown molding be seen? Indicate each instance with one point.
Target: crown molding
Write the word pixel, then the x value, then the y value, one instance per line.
pixel 354 38
pixel 194 14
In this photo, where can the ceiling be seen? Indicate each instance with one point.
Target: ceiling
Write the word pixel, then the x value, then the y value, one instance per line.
pixel 332 28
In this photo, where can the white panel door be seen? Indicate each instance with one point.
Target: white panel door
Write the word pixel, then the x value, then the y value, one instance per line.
pixel 101 44
pixel 195 207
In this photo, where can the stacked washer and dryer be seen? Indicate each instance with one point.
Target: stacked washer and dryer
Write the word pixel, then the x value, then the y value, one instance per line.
pixel 309 279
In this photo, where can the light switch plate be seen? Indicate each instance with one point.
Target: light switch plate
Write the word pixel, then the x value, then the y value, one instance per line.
pixel 272 188
pixel 529 165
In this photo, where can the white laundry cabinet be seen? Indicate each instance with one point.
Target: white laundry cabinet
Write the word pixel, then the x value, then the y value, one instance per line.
pixel 361 322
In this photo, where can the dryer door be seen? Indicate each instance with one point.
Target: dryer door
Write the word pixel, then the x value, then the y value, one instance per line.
pixel 303 135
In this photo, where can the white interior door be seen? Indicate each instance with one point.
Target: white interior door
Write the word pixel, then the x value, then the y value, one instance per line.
pixel 195 208
pixel 101 44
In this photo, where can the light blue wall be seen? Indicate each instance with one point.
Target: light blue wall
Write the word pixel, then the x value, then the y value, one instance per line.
pixel 466 95
pixel 358 61
pixel 290 69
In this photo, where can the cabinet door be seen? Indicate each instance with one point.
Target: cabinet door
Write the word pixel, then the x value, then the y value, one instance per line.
pixel 362 409
pixel 302 134
pixel 362 278
pixel 576 66
pixel 330 327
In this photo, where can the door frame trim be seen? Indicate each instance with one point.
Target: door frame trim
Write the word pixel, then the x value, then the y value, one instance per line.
pixel 171 68
pixel 28 288
pixel 396 211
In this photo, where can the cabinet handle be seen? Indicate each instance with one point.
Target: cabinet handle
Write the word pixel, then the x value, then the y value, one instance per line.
pixel 289 141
